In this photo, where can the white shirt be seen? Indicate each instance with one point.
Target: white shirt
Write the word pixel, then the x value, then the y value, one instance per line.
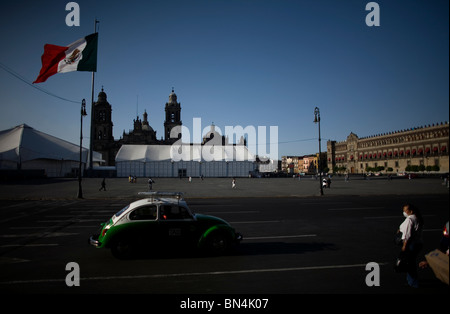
pixel 410 225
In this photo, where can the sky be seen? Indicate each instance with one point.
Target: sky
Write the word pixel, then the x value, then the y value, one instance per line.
pixel 246 63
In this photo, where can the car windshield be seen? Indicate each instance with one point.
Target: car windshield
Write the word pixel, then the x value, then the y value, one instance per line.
pixel 122 210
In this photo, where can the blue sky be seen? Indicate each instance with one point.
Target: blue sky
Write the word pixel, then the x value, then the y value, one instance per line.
pixel 236 62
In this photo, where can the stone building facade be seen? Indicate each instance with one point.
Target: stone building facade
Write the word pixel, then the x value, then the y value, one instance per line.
pixel 307 164
pixel 419 146
pixel 142 133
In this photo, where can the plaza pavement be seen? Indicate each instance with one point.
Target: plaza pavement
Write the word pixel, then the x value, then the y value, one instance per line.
pixel 120 188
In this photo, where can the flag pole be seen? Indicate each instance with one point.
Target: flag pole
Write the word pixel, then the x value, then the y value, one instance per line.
pixel 91 146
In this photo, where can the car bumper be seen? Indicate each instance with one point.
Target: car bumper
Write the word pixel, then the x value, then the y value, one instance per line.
pixel 93 240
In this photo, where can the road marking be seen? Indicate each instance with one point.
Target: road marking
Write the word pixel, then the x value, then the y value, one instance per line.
pixel 390 217
pixel 383 217
pixel 42 234
pixel 70 220
pixel 87 212
pixel 29 245
pixel 213 273
pixel 46 227
pixel 282 237
pixel 12 260
pixel 254 222
pixel 240 212
pixel 355 208
pixel 71 217
pixel 27 228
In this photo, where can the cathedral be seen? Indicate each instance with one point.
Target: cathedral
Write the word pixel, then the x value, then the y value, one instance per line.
pixel 142 133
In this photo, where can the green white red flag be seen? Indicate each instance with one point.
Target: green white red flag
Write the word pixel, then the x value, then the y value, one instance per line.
pixel 80 55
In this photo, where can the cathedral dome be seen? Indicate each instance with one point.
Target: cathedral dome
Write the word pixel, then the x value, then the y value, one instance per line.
pixel 213 134
pixel 147 127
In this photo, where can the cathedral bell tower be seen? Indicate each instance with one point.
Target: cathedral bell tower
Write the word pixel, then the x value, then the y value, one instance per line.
pixel 103 141
pixel 173 118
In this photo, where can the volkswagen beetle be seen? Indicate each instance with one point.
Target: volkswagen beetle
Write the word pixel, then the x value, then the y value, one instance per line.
pixel 163 221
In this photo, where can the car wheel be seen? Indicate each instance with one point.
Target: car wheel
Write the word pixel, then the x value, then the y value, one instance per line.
pixel 217 243
pixel 121 248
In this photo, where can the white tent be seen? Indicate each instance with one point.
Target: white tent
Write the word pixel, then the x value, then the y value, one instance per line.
pixel 185 160
pixel 23 147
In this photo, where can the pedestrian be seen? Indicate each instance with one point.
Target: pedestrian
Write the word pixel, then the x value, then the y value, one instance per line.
pixel 190 179
pixel 150 184
pixel 411 230
pixel 233 183
pixel 329 182
pixel 103 186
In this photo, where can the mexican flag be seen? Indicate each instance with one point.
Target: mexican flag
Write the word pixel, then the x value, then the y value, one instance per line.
pixel 78 56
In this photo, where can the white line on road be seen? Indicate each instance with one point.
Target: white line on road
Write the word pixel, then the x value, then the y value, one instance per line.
pixel 72 217
pixel 254 222
pixel 70 220
pixel 87 211
pixel 29 245
pixel 237 212
pixel 355 208
pixel 390 217
pixel 43 234
pixel 214 273
pixel 281 237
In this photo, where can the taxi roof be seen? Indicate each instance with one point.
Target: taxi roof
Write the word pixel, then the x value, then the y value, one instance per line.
pixel 157 197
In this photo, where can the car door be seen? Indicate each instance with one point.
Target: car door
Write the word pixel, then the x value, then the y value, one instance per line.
pixel 143 226
pixel 177 225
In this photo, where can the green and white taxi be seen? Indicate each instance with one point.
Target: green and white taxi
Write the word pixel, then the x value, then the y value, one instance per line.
pixel 163 221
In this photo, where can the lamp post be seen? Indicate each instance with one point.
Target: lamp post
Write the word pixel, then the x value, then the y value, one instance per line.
pixel 317 120
pixel 83 114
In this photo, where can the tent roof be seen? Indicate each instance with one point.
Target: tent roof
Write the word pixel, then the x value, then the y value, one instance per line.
pixel 23 143
pixel 185 152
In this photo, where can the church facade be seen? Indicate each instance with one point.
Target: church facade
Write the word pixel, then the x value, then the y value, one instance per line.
pixel 140 153
pixel 141 134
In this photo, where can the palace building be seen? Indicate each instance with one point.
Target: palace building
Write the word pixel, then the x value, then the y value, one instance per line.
pixel 425 147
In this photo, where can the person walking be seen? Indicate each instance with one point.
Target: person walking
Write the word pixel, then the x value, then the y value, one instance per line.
pixel 412 242
pixel 150 184
pixel 233 183
pixel 103 185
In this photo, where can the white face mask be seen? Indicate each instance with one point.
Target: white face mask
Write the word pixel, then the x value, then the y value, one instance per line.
pixel 405 214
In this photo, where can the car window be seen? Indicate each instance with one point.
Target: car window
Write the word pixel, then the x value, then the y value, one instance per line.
pixel 144 213
pixel 122 210
pixel 174 212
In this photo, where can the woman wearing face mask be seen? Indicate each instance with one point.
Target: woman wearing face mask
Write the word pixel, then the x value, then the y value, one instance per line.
pixel 411 230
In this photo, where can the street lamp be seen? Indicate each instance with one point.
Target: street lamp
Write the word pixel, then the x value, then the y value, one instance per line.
pixel 83 114
pixel 317 120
